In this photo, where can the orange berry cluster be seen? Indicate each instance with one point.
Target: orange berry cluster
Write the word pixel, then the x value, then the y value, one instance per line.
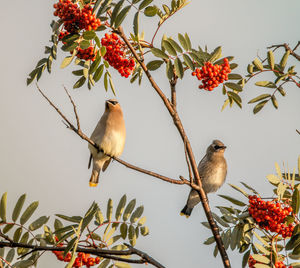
pixel 278 264
pixel 86 54
pixel 74 18
pixel 212 75
pixel 82 259
pixel 62 34
pixel 116 54
pixel 270 215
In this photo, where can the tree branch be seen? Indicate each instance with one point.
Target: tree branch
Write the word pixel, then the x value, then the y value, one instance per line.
pixel 287 48
pixel 108 254
pixel 179 126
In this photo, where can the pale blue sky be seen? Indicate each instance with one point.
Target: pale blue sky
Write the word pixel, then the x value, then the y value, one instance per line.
pixel 40 157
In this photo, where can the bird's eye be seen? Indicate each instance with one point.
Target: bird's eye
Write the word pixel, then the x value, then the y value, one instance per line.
pixel 217 147
pixel 113 102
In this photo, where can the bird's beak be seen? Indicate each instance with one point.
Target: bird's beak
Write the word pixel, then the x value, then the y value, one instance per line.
pixel 223 147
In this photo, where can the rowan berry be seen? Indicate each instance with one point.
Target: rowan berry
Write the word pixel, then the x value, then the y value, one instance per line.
pixel 212 75
pixel 116 54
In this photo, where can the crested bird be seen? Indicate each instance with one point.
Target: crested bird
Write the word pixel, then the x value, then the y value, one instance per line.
pixel 109 135
pixel 212 171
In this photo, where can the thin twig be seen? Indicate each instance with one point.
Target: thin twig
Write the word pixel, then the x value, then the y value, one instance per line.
pixel 74 107
pixel 287 48
pixel 188 164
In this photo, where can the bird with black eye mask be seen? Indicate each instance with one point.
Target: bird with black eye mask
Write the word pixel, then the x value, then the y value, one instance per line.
pixel 212 171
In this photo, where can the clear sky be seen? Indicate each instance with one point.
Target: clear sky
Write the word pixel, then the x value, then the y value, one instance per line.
pixel 42 158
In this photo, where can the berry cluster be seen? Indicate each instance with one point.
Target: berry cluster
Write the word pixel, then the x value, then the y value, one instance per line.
pixel 270 215
pixel 81 259
pixel 212 75
pixel 278 264
pixel 116 54
pixel 86 54
pixel 74 18
pixel 62 34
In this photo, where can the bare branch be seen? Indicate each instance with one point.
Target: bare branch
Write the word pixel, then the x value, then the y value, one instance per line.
pixel 287 48
pixel 74 107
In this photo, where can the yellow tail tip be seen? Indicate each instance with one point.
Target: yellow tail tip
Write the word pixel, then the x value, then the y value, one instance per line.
pixel 182 214
pixel 92 184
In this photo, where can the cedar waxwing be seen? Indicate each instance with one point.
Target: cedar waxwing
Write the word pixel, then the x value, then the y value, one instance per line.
pixel 212 171
pixel 109 135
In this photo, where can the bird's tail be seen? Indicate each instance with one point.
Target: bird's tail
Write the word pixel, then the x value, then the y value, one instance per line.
pixel 186 211
pixel 94 178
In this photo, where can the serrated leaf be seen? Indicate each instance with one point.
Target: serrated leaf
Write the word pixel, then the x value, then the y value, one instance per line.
pixel 38 223
pixel 234 86
pixel 129 209
pixel 284 59
pixel 259 106
pixel 121 16
pixel 136 214
pixel 216 54
pixel 175 45
pixel 144 4
pixel 188 62
pixel 183 42
pixel 154 65
pixel 178 68
pixel 233 200
pixel 120 207
pixel 257 63
pixel 28 212
pixel 271 59
pixel 259 98
pixel 267 84
pixel 109 209
pixel 79 82
pixel 159 53
pixel 3 207
pixel 167 45
pixel 296 201
pixel 150 11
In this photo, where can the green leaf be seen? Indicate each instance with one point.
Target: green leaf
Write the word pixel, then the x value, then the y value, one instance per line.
pixel 28 212
pixel 233 66
pixel 260 258
pixel 123 230
pixel 104 263
pixel 129 209
pixel 234 238
pixel 257 63
pixel 89 35
pixel 237 99
pixel 284 59
pixel 84 44
pixel 259 98
pixel 262 249
pixel 76 219
pixel 271 59
pixel 234 77
pixel 250 68
pixel 178 68
pixel 10 255
pixel 7 228
pixel 144 4
pixel 89 216
pixel 188 62
pixel 109 209
pixel 183 42
pixel 132 235
pixel 239 190
pixel 79 82
pixel 274 101
pixel 122 265
pixel 150 11
pixel 116 11
pixel 220 220
pixel 167 45
pixel 265 84
pixel 38 223
pixel 169 70
pixel 233 200
pixel 234 86
pixel 175 45
pixel 99 217
pixel 23 240
pixel 159 53
pixel 261 239
pixel 144 230
pixel 136 23
pixel 296 201
pixel 216 54
pixel 17 234
pixel 121 16
pixel 259 106
pixel 245 259
pixel 196 58
pixel 103 52
pixel 67 60
pixel 136 214
pixel 209 241
pixel 188 41
pixel 296 250
pixel 120 207
pixel 112 87
pixel 3 207
pixel 98 73
pixel 154 65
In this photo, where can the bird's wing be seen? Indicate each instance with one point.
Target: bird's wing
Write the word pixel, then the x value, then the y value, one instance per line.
pixel 106 164
pixel 90 161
